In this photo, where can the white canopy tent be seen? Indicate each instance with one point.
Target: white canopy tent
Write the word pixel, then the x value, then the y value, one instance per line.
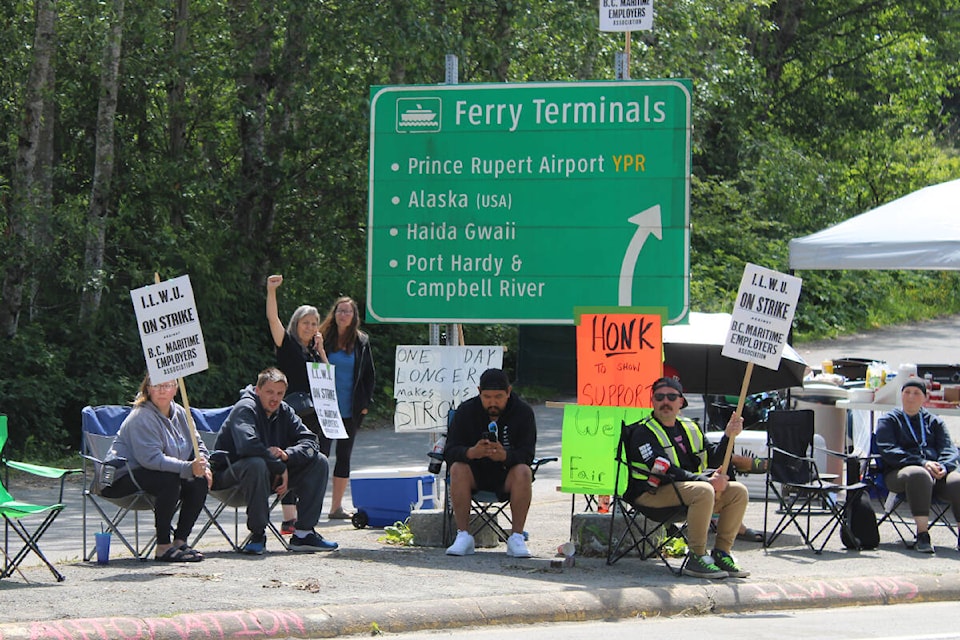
pixel 920 231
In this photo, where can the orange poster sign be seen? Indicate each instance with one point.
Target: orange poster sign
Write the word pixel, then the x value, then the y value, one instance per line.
pixel 619 355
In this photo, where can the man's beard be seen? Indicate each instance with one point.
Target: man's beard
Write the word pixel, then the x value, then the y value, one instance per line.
pixel 493 412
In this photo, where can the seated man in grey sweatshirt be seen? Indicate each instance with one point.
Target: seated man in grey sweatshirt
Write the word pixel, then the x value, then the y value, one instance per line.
pixel 271 451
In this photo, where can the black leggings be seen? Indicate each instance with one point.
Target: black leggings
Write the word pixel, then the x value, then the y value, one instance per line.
pixel 341 468
pixel 167 489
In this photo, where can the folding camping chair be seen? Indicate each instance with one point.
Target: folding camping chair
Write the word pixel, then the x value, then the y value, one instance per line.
pixel 15 511
pixel 100 426
pixel 231 497
pixel 800 491
pixel 891 503
pixel 647 530
pixel 485 508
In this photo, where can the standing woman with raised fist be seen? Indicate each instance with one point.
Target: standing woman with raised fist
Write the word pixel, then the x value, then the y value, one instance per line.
pixel 296 345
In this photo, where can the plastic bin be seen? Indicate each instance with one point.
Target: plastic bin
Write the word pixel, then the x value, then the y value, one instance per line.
pixel 853 369
pixel 384 496
pixel 942 373
pixel 753 444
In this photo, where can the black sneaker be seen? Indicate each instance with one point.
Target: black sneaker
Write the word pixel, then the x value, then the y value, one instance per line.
pixel 923 544
pixel 726 562
pixel 702 567
pixel 311 542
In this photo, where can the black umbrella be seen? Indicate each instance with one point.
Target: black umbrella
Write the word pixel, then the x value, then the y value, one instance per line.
pixel 693 350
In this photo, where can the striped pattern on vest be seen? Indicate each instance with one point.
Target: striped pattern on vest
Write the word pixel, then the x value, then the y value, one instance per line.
pixel 639 470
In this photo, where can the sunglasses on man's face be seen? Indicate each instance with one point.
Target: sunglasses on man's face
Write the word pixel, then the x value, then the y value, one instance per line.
pixel 665 396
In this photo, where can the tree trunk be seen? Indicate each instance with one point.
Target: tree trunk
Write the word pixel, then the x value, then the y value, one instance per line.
pixel 32 182
pixel 176 102
pixel 101 191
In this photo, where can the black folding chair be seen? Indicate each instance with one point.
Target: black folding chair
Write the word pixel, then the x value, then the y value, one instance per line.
pixel 485 508
pixel 799 490
pixel 647 530
pixel 14 511
pixel 232 498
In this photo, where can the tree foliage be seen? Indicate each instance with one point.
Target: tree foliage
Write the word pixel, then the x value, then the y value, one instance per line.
pixel 240 149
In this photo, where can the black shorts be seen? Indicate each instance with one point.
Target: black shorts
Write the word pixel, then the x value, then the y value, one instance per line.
pixel 490 478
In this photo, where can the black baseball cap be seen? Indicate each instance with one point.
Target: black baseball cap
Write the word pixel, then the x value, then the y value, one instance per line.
pixel 669 383
pixel 494 380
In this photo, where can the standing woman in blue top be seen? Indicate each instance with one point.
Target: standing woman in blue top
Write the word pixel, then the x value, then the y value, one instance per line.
pixel 348 349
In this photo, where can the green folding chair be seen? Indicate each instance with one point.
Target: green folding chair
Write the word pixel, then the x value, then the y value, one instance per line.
pixel 15 511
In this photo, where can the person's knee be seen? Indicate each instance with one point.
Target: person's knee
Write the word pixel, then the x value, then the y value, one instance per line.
pixel 918 478
pixel 519 478
pixel 697 492
pixel 311 472
pixel 321 463
pixel 520 473
pixel 737 492
pixel 461 474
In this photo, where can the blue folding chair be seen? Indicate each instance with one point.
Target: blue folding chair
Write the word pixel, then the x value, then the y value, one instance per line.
pixel 99 429
pixel 891 503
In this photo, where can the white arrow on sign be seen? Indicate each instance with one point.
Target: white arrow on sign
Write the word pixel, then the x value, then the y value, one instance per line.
pixel 648 222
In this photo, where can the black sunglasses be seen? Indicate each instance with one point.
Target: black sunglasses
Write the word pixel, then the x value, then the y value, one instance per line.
pixel 666 396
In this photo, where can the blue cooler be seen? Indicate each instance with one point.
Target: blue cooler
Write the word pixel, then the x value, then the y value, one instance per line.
pixel 385 496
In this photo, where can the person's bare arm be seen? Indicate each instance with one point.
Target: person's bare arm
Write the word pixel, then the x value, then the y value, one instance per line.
pixel 273 314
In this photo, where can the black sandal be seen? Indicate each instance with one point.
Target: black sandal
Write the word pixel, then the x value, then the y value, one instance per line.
pixel 187 549
pixel 180 554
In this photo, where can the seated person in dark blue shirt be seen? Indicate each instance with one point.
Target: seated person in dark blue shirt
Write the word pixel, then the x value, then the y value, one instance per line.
pixel 919 458
pixel 271 451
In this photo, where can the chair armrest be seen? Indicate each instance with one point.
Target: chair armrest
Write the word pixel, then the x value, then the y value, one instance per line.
pixel 218 459
pixel 54 473
pixel 792 455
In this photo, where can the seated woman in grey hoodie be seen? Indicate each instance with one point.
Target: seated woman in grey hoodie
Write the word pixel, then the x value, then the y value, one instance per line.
pixel 156 443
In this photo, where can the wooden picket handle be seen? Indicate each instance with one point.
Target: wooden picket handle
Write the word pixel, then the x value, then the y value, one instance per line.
pixel 185 400
pixel 743 396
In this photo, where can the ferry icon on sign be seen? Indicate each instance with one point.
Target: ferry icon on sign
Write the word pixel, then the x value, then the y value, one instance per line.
pixel 418 115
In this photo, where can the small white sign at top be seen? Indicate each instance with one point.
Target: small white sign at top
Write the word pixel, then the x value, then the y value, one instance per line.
pixel 626 15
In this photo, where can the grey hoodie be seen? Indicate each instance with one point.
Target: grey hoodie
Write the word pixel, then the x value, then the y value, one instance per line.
pixel 149 439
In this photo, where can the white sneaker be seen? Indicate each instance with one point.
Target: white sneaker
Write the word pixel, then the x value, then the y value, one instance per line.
pixel 462 546
pixel 516 547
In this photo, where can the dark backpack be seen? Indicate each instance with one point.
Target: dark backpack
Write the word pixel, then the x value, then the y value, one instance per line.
pixel 862 522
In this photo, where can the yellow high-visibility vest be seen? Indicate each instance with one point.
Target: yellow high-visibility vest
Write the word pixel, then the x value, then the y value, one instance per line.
pixel 639 469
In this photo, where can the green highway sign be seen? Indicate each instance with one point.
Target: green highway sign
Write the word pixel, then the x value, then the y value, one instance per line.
pixel 503 203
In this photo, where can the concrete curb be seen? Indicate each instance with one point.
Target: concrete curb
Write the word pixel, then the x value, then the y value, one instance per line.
pixel 727 596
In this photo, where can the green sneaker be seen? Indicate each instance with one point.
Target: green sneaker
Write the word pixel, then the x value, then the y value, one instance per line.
pixel 702 567
pixel 726 562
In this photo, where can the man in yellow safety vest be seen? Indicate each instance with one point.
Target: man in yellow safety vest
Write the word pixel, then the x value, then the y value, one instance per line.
pixel 666 448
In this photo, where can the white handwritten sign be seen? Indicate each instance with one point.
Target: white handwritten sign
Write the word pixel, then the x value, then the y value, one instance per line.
pixel 762 316
pixel 429 380
pixel 323 390
pixel 169 329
